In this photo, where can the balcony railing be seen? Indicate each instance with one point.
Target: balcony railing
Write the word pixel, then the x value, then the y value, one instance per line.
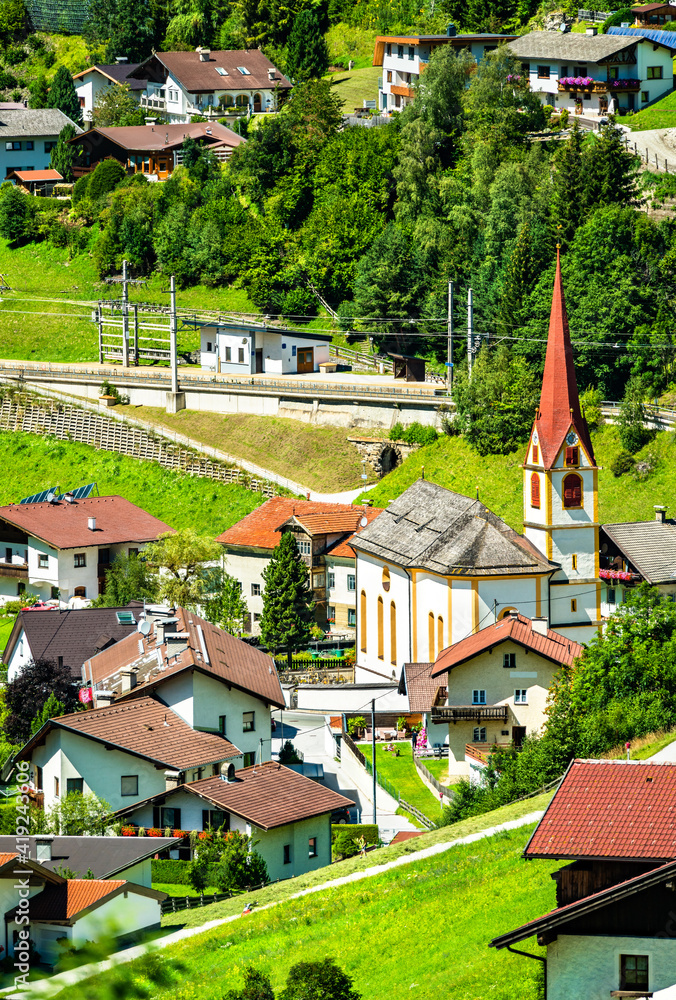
pixel 16 570
pixel 153 103
pixel 589 86
pixel 480 752
pixel 471 713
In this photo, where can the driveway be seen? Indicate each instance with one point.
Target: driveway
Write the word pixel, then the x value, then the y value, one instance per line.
pixel 308 734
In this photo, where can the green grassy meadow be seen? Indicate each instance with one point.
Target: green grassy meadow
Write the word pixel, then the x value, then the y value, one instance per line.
pixel 421 930
pixel 319 457
pixel 357 85
pixel 401 772
pixel 32 463
pixel 660 115
pixel 452 463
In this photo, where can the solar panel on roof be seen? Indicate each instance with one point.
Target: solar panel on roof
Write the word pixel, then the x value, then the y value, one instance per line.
pixel 81 493
pixel 39 497
pixel 667 38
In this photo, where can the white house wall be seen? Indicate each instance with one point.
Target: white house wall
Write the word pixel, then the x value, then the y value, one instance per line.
pixel 588 967
pixel 280 350
pixel 213 698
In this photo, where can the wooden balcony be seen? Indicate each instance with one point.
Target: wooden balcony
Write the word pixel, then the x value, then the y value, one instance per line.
pixel 602 87
pixel 482 751
pixel 471 713
pixel 402 91
pixel 17 570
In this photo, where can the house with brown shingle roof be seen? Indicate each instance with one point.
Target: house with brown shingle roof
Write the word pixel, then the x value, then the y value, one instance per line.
pixel 122 753
pixel 287 814
pixel 324 533
pixel 494 683
pixel 181 84
pixel 62 548
pixel 213 681
pixel 611 932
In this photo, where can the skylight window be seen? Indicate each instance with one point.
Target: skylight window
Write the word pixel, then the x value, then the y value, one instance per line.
pixel 244 71
pixel 221 71
pixel 125 618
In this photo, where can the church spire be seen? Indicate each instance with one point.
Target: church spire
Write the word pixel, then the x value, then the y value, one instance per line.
pixel 559 402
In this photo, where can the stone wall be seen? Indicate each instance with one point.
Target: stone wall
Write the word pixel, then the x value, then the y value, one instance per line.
pixel 381 454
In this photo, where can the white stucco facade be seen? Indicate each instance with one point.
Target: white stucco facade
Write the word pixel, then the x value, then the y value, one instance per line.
pixel 588 967
pixel 241 351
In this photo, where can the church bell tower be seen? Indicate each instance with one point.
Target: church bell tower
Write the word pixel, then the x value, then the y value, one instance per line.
pixel 560 486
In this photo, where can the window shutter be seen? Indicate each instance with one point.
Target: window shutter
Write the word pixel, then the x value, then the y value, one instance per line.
pixel 177 819
pixel 572 491
pixel 572 456
pixel 205 819
pixel 156 817
pixel 535 490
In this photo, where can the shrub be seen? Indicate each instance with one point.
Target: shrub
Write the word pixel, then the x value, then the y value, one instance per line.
pixel 345 845
pixel 15 215
pixel 81 188
pixel 590 401
pixel 198 873
pixel 563 117
pixel 624 462
pixel 105 178
pixel 298 302
pixel 369 831
pixel 288 755
pixel 397 432
pixel 358 722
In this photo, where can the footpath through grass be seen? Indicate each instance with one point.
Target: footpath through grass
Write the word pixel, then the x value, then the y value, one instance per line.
pixel 318 457
pixel 452 463
pixel 33 463
pixel 421 929
pixel 401 772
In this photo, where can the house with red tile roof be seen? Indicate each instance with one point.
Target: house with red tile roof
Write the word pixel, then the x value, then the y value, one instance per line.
pixel 324 534
pixel 122 753
pixel 215 682
pixel 612 930
pixel 490 688
pixel 287 814
pixel 71 911
pixel 61 548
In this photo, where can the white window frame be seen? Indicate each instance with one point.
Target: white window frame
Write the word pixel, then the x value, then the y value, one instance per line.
pixel 255 590
pixel 331 580
pixel 352 617
pixel 479 734
pixel 352 582
pixel 521 696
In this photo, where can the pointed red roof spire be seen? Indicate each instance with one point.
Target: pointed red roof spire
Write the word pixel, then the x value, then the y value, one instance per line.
pixel 559 401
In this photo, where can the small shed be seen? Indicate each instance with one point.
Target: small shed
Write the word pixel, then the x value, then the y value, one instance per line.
pixel 263 350
pixel 36 181
pixel 409 368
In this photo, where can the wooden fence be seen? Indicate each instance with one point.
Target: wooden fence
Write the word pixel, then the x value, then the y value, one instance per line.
pixel 174 904
pixel 434 782
pixel 22 412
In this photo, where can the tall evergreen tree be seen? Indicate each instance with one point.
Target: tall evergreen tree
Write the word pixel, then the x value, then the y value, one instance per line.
pixel 529 258
pixel 567 210
pixel 39 92
pixel 62 95
pixel 307 52
pixel 131 31
pixel 287 617
pixel 63 154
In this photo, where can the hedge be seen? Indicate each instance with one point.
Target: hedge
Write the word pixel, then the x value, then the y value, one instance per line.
pixel 176 872
pixel 368 831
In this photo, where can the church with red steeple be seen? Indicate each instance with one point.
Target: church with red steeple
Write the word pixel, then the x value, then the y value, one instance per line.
pixel 561 486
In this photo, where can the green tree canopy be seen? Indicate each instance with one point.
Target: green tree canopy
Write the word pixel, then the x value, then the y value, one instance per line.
pixel 39 92
pixel 117 106
pixel 51 709
pixel 183 556
pixel 129 578
pixel 77 815
pixel 28 692
pixel 226 606
pixel 62 95
pixel 240 866
pixel 15 215
pixel 63 154
pixel 307 56
pixel 287 618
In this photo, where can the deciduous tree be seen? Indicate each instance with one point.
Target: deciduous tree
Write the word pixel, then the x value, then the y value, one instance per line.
pixel 226 606
pixel 183 556
pixel 129 578
pixel 117 106
pixel 28 692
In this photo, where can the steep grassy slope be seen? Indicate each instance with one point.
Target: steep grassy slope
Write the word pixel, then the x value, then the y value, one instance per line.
pixel 418 930
pixel 31 463
pixel 452 463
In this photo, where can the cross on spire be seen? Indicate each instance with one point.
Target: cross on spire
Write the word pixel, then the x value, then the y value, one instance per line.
pixel 559 401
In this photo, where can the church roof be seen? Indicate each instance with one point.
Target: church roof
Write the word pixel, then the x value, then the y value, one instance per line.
pixel 429 527
pixel 559 401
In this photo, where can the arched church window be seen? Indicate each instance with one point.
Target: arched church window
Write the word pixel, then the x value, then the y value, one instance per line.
pixel 381 625
pixel 362 621
pixel 386 578
pixel 535 490
pixel 572 491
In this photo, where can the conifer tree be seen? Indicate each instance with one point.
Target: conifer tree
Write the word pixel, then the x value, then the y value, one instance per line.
pixel 287 616
pixel 62 95
pixel 307 53
pixel 567 208
pixel 39 93
pixel 529 258
pixel 63 154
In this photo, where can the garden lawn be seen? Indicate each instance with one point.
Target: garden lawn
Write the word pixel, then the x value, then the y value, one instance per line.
pixel 438 766
pixel 180 890
pixel 318 457
pixel 6 626
pixel 419 930
pixel 356 86
pixel 401 773
pixel 32 463
pixel 660 115
pixel 452 463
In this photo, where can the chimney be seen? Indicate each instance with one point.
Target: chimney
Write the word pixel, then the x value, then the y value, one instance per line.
pixel 43 847
pixel 591 31
pixel 660 513
pixel 69 498
pixel 513 614
pixel 540 625
pixel 451 31
pixel 172 779
pixel 121 59
pixel 159 633
pixel 128 678
pixel 91 523
pixel 271 72
pixel 102 699
pixel 204 54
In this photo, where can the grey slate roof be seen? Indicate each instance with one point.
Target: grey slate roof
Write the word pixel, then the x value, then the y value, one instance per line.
pixel 429 527
pixel 75 635
pixel 573 46
pixel 106 856
pixel 33 121
pixel 649 546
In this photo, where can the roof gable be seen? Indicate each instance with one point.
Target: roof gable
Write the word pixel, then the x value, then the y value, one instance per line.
pixel 610 809
pixel 260 529
pixel 422 688
pixel 69 901
pixel 650 546
pixel 553 646
pixel 105 856
pixel 198 76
